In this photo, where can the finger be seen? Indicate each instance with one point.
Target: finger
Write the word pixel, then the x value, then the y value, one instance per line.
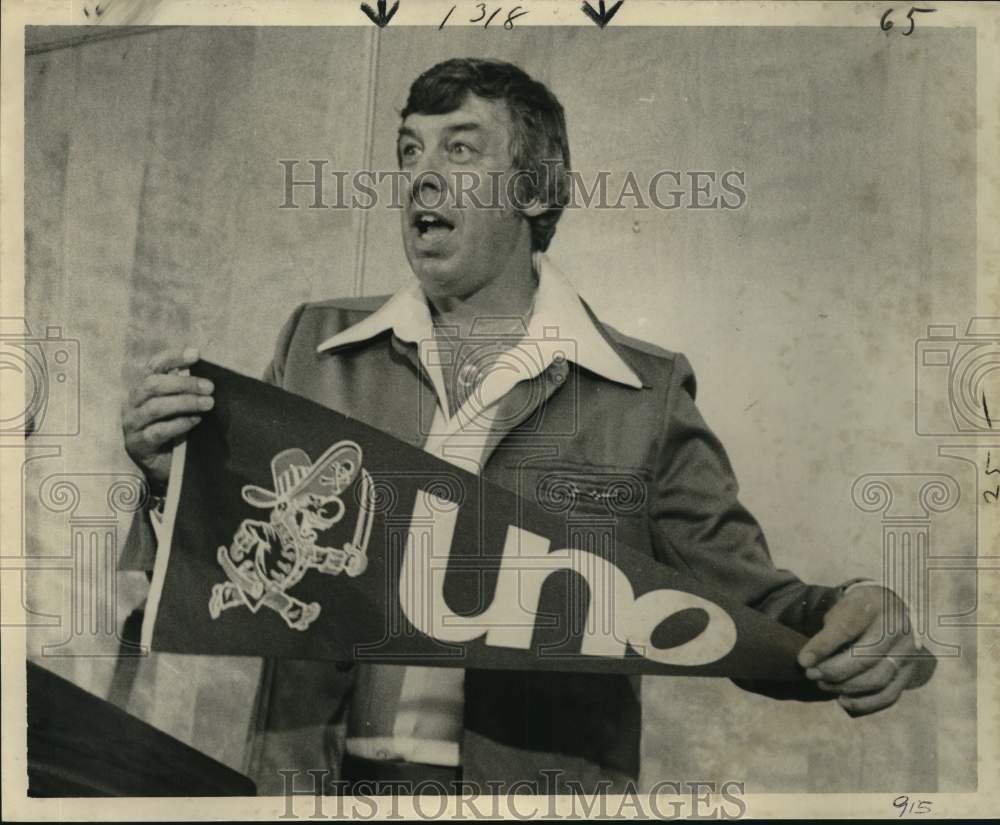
pixel 162 432
pixel 861 705
pixel 172 359
pixel 840 627
pixel 843 666
pixel 924 665
pixel 869 681
pixel 170 406
pixel 864 655
pixel 169 384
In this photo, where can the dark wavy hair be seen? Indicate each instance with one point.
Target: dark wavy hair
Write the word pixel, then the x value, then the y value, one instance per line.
pixel 538 140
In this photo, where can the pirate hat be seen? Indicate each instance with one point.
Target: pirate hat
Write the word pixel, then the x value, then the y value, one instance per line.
pixel 295 475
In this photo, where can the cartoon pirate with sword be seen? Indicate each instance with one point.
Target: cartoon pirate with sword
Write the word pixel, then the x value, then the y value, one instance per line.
pixel 266 558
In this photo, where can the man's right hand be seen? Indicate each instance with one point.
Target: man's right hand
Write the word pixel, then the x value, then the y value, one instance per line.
pixel 160 409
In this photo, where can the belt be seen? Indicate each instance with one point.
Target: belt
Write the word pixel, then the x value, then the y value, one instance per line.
pixel 379 777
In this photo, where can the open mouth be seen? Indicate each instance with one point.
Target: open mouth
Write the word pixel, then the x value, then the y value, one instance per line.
pixel 431 226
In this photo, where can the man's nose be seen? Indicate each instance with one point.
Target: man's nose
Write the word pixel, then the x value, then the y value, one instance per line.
pixel 429 180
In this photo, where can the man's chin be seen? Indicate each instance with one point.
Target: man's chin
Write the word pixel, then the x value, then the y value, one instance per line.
pixel 439 279
pixel 434 269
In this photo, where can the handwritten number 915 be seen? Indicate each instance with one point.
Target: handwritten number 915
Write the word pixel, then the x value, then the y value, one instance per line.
pixel 911 807
pixel 885 23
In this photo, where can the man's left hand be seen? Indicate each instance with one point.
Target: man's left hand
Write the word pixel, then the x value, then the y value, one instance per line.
pixel 866 652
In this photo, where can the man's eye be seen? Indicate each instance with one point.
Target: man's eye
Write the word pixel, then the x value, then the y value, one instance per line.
pixel 411 150
pixel 461 151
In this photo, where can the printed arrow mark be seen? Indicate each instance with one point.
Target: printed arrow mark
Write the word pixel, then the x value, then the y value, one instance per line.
pixel 602 17
pixel 381 19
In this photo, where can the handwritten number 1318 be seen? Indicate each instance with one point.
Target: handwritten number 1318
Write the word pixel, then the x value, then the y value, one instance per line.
pixel 885 23
pixel 508 24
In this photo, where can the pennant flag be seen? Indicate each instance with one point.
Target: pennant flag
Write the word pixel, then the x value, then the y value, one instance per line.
pixel 299 532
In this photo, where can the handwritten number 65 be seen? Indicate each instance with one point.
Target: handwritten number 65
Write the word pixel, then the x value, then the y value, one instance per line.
pixel 885 23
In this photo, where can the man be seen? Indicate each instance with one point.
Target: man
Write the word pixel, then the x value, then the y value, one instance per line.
pixel 491 361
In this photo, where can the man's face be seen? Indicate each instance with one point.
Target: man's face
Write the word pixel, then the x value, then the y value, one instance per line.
pixel 455 247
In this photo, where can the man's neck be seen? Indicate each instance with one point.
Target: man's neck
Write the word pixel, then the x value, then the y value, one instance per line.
pixel 503 307
pixel 495 314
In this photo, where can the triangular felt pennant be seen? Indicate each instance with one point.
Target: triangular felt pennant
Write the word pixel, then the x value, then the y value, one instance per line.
pixel 299 532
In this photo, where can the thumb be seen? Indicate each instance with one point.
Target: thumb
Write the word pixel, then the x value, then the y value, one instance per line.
pixel 841 626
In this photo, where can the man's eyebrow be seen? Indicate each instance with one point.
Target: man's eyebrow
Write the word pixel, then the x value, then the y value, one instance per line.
pixel 469 126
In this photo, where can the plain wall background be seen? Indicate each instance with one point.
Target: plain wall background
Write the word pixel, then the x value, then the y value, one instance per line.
pixel 152 194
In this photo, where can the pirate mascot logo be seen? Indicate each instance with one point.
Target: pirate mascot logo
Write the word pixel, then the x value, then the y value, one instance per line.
pixel 266 558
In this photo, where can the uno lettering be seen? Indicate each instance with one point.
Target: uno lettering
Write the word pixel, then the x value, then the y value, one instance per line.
pixel 526 563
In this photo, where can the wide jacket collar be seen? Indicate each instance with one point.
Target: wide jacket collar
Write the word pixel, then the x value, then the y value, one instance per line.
pixel 562 326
